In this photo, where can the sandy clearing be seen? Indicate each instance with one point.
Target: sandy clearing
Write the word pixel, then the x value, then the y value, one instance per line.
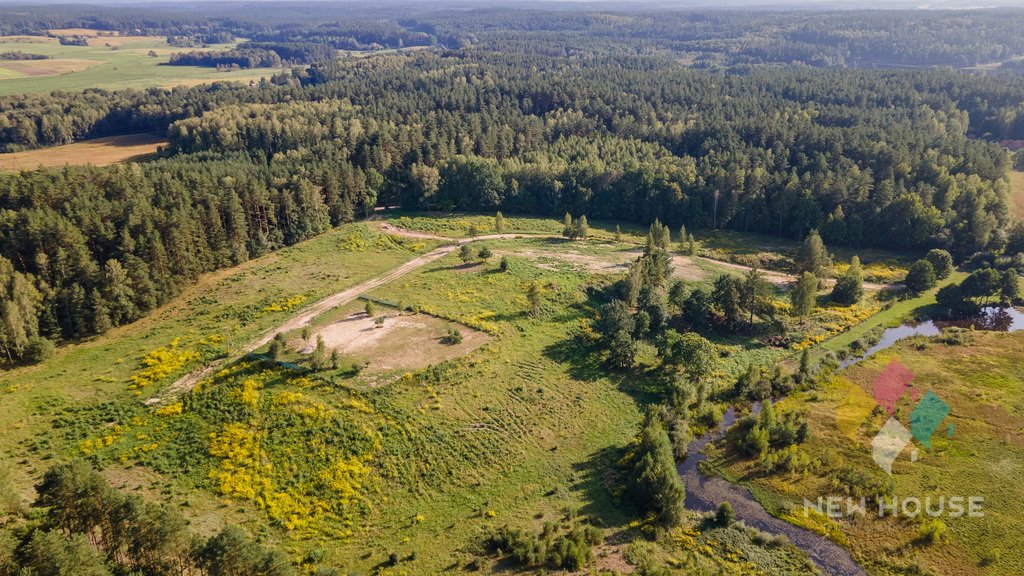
pixel 187 382
pixel 616 262
pixel 406 341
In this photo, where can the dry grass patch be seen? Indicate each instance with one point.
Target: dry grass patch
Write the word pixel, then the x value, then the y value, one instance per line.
pixel 1017 193
pixel 98 152
pixel 52 67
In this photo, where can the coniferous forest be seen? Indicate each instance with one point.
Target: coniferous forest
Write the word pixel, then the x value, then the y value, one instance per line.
pixel 904 159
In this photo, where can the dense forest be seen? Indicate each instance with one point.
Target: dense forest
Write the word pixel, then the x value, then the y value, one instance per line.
pixel 902 159
pixel 257 55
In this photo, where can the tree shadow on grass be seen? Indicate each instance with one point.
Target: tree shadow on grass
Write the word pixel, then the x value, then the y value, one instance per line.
pixel 597 477
pixel 646 384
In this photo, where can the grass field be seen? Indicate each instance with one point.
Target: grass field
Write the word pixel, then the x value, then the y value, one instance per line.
pixel 97 152
pixel 230 306
pixel 520 428
pixel 107 62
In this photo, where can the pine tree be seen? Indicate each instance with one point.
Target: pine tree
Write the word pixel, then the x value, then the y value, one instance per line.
pixel 499 223
pixel 100 313
pixel 655 484
pixel 567 225
pixel 19 310
pixel 813 257
pixel 580 229
pixel 534 297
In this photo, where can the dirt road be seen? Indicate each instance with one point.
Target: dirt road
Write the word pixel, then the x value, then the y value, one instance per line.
pixel 773 276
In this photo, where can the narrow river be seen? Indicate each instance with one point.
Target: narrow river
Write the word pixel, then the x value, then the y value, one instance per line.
pixel 704 494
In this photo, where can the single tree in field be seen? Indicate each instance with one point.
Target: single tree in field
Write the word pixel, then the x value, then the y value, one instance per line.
pixel 689 350
pixel 850 286
pixel 534 297
pixel 724 516
pixel 941 261
pixel 813 257
pixel 618 233
pixel 682 239
pixel 369 308
pixel 580 228
pixel 754 292
pixel 499 223
pixel 504 264
pixel 920 277
pixel 691 246
pixel 466 254
pixel 567 225
pixel 622 350
pixel 277 346
pixel 804 295
pixel 485 253
pixel 321 358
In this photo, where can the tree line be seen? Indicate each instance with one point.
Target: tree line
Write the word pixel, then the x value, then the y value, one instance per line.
pixel 85 249
pixel 257 55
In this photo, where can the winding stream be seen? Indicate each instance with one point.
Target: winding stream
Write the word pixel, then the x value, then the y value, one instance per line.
pixel 704 494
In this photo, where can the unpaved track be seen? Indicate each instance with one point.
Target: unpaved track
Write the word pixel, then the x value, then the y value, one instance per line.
pixel 773 276
pixel 189 381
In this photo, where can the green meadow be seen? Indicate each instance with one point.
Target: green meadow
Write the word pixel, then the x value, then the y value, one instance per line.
pixel 108 63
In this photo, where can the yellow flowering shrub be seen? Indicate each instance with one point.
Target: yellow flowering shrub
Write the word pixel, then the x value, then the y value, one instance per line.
pixel 346 478
pixel 249 393
pixel 285 305
pixel 170 410
pixel 161 363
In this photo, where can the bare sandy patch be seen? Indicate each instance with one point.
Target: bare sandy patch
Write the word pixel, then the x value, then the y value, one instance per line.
pixel 401 342
pixel 615 261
